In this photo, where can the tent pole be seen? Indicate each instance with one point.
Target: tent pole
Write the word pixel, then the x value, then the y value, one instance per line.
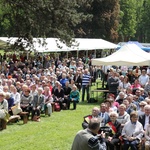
pixel 95 53
pixel 77 53
pixel 86 53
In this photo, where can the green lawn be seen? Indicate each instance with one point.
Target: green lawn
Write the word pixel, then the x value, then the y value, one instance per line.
pixel 52 133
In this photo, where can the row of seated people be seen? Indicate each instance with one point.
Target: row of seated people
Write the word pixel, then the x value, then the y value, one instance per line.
pixel 38 100
pixel 122 128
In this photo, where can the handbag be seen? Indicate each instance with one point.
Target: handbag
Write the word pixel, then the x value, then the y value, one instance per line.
pixel 16 109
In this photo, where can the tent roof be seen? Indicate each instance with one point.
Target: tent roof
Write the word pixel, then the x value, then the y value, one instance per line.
pixel 141 45
pixel 129 54
pixel 79 44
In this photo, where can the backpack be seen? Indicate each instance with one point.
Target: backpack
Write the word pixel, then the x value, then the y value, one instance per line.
pixel 57 107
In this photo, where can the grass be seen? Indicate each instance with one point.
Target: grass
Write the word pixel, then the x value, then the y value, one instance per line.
pixel 52 133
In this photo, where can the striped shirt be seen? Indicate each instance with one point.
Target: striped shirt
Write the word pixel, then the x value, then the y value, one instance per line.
pixel 86 78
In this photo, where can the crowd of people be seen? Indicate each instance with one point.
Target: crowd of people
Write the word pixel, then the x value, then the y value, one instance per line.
pixel 35 84
pixel 125 111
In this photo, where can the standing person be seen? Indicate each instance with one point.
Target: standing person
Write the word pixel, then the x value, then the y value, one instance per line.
pixel 86 80
pixel 113 83
pixel 87 139
pixel 143 78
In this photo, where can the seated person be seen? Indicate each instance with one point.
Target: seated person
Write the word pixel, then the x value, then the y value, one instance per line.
pixel 67 91
pixel 48 99
pixel 123 116
pixel 132 132
pixel 113 137
pixel 26 101
pixel 59 95
pixel 3 107
pixel 74 97
pixel 120 97
pixel 95 114
pixel 103 114
pixel 38 105
pixel 10 102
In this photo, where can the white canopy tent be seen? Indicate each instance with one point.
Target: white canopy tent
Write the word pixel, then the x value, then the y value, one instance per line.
pixel 54 45
pixel 129 55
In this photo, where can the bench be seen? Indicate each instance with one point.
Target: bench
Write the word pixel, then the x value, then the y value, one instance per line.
pixel 24 115
pixel 104 91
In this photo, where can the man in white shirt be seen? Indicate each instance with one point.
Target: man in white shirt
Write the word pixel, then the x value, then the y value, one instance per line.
pixel 143 78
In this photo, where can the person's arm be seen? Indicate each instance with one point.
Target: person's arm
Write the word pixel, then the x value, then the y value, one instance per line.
pixel 95 144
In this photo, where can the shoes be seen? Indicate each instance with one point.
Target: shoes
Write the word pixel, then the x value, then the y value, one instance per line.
pixel 49 115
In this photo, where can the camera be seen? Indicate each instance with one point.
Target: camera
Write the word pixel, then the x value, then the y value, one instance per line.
pixel 106 130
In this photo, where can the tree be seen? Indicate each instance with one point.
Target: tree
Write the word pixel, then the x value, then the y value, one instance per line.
pixel 128 22
pixel 26 19
pixel 146 21
pixel 104 23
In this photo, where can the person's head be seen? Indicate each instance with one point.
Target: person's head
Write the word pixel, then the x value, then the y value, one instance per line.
pixel 126 103
pixel 2 96
pixel 103 107
pixel 59 86
pixel 95 111
pixel 138 92
pixel 63 75
pixel 141 90
pixel 134 116
pixel 94 125
pixel 113 116
pixel 5 88
pixel 122 108
pixel 143 72
pixel 74 87
pixel 121 95
pixel 147 109
pixel 40 90
pixel 130 98
pixel 67 83
pixel 7 95
pixel 128 90
pixel 142 104
pixel 126 79
pixel 26 91
pixel 111 96
pixel 148 101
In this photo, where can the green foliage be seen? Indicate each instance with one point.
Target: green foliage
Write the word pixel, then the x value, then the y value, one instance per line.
pixel 146 21
pixel 104 22
pixel 40 18
pixel 128 22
